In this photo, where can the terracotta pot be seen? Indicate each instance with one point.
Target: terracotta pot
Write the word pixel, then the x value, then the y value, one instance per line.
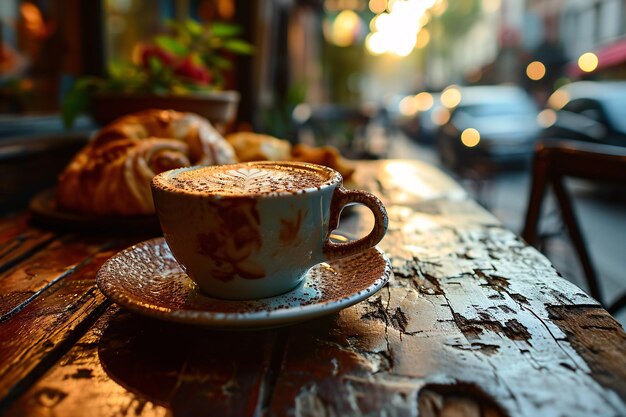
pixel 220 108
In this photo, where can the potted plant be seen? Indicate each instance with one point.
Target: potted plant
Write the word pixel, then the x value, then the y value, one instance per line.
pixel 183 70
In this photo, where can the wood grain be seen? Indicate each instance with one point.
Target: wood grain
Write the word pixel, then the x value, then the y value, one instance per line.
pixel 22 283
pixel 127 365
pixel 41 331
pixel 19 240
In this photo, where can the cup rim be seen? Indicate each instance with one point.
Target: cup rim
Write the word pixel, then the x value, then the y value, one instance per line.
pixel 160 181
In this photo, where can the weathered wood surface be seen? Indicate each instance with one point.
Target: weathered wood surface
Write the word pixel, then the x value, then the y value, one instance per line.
pixel 474 322
pixel 18 240
pixel 41 330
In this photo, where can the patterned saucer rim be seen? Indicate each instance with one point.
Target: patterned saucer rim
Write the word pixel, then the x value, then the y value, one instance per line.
pixel 263 318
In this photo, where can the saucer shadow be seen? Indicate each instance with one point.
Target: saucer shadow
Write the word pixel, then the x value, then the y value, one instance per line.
pixel 186 368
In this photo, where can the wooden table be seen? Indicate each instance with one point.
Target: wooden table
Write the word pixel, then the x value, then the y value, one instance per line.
pixel 474 322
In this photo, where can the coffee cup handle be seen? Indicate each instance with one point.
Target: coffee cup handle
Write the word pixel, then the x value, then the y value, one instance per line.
pixel 341 198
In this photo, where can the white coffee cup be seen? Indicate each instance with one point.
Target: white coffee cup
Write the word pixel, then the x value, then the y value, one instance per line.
pixel 252 230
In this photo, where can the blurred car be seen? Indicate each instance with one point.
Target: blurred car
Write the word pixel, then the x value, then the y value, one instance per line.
pixel 588 111
pixel 495 125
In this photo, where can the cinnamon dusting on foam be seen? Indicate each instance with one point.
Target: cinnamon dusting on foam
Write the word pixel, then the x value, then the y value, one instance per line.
pixel 246 179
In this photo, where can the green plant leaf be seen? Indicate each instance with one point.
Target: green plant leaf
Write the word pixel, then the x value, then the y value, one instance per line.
pixel 171 45
pixel 220 62
pixel 194 27
pixel 155 64
pixel 238 46
pixel 181 33
pixel 224 30
pixel 116 69
pixel 77 100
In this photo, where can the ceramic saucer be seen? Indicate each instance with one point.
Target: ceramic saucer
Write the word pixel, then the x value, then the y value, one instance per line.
pixel 146 279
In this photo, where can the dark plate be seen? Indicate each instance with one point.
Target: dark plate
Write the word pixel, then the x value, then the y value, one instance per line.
pixel 45 212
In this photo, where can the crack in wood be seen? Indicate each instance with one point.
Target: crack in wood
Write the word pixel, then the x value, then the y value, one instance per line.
pixel 511 328
pixel 486 348
pixel 398 319
pixel 494 281
pixel 379 312
pixel 435 288
pixel 519 298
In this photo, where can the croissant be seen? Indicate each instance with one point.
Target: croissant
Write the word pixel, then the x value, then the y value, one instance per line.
pixel 251 146
pixel 325 155
pixel 112 174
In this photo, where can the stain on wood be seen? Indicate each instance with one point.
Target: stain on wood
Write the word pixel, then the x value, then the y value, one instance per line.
pixel 599 339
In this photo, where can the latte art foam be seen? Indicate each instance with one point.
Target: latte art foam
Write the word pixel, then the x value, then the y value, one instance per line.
pixel 250 178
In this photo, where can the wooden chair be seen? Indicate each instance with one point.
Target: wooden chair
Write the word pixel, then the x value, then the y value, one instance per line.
pixel 553 161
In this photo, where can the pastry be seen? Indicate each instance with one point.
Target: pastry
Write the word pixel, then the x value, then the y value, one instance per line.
pixel 112 174
pixel 251 146
pixel 325 155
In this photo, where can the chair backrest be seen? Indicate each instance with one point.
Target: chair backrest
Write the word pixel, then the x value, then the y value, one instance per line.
pixel 593 161
pixel 556 159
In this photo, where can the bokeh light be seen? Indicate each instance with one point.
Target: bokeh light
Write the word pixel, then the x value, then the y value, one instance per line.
pixel 440 7
pixel 423 38
pixel 558 99
pixel 588 62
pixel 546 118
pixel 302 112
pixel 408 106
pixel 440 116
pixel 345 28
pixel 378 6
pixel 424 101
pixel 381 22
pixel 451 97
pixel 470 137
pixel 375 43
pixel 491 6
pixel 536 70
